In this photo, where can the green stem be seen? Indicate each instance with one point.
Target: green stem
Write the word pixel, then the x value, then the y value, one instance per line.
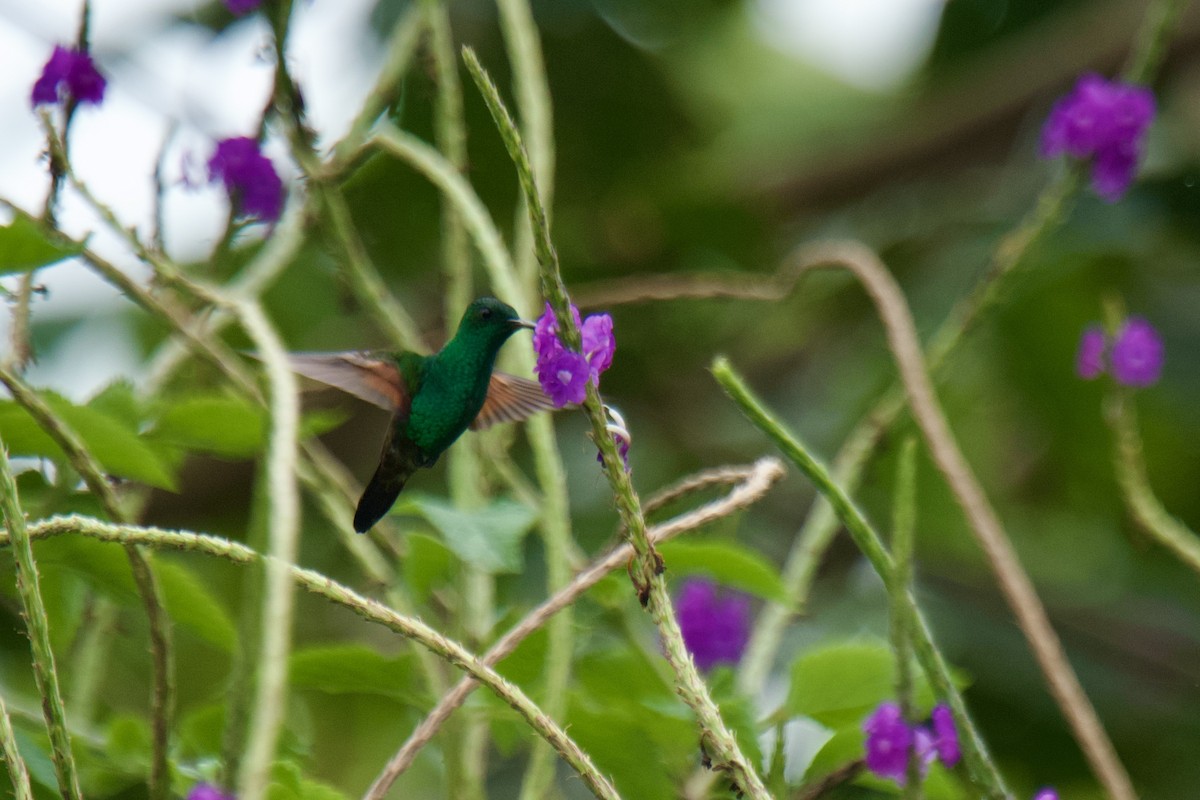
pixel 370 610
pixel 368 287
pixel 982 770
pixel 401 47
pixel 899 587
pixel 537 125
pixel 1136 490
pixel 1151 45
pixel 750 485
pixel 163 684
pixel 34 611
pixel 283 532
pixel 442 174
pixel 533 102
pixel 91 656
pixel 647 569
pixel 819 528
pixel 17 771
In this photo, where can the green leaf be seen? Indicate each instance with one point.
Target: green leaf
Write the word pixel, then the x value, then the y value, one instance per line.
pixel 839 684
pixel 117 447
pixel 118 401
pixel 128 742
pixel 25 246
pixel 288 783
pixel 35 749
pixel 528 661
pixel 427 563
pixel 192 605
pixel 727 563
pixel 488 538
pixel 219 424
pixel 355 669
pixel 843 747
pixel 645 754
pixel 228 426
pixel 188 601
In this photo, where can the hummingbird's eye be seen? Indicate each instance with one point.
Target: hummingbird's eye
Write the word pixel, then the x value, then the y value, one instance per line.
pixel 485 313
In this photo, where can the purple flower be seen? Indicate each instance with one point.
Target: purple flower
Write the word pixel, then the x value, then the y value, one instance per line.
pixel 715 626
pixel 69 73
pixel 206 791
pixel 249 177
pixel 1045 794
pixel 1105 121
pixel 1089 362
pixel 598 343
pixel 945 735
pixel 564 377
pixel 240 7
pixel 889 738
pixel 564 374
pixel 1134 356
pixel 1137 354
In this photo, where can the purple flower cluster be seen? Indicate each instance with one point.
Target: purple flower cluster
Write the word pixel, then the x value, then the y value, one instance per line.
pixel 1134 356
pixel 564 373
pixel 249 177
pixel 1104 121
pixel 69 74
pixel 890 739
pixel 206 791
pixel 1045 794
pixel 715 625
pixel 240 7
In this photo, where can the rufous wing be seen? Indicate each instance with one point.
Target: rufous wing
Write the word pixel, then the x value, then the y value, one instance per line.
pixel 376 380
pixel 511 399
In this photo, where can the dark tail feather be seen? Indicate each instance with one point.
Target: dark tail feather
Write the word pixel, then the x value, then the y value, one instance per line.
pixel 377 498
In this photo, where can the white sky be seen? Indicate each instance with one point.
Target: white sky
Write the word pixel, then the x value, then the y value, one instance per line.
pixel 215 86
pixel 159 74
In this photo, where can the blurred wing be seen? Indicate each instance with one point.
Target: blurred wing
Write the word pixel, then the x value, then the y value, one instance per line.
pixel 511 399
pixel 376 380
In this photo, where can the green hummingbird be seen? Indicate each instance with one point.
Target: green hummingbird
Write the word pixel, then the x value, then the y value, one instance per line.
pixel 433 399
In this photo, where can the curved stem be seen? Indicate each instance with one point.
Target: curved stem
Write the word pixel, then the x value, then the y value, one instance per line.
pixel 33 609
pixel 283 534
pixel 1014 583
pixel 368 609
pixel 1143 504
pixel 646 569
pixel 980 766
pixel 750 484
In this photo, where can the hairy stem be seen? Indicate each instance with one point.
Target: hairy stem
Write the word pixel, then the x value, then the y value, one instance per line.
pixel 368 609
pixel 34 611
pixel 983 771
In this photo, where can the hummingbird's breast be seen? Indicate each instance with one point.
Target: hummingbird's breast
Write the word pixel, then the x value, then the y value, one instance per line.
pixel 451 395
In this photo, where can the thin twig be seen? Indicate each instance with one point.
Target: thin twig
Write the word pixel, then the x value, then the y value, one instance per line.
pixel 646 568
pixel 17 771
pixel 81 459
pixel 34 610
pixel 283 528
pixel 983 771
pixel 904 512
pixel 368 609
pixel 750 484
pixel 1013 581
pixel 1144 506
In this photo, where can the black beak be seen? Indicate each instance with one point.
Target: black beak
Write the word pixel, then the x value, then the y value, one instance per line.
pixel 521 323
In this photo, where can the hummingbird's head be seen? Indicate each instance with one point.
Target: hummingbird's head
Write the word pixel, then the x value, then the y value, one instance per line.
pixel 489 319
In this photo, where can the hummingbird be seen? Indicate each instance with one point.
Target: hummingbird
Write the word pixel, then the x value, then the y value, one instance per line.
pixel 433 399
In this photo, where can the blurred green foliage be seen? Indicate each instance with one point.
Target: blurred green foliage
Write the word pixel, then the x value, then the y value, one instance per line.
pixel 684 143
